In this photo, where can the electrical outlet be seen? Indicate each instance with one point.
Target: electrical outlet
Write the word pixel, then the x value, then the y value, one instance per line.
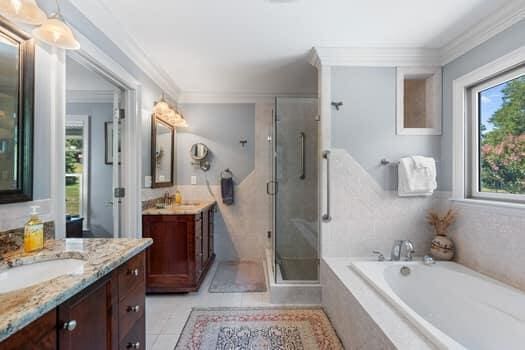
pixel 193 180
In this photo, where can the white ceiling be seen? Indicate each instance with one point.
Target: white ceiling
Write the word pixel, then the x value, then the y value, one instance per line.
pixel 261 46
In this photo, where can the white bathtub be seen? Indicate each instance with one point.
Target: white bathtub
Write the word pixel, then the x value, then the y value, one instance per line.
pixel 455 307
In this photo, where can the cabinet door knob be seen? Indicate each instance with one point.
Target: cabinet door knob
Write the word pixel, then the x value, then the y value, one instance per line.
pixel 134 345
pixel 70 325
pixel 135 308
pixel 133 272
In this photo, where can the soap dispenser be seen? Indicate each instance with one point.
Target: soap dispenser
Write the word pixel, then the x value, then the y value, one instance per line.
pixel 33 232
pixel 178 198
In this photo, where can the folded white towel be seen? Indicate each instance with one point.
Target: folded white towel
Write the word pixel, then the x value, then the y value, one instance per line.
pixel 416 176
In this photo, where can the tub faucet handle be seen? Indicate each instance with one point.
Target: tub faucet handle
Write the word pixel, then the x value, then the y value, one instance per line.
pixel 409 249
pixel 380 256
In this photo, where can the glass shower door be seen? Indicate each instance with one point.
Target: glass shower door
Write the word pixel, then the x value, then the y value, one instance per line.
pixel 295 174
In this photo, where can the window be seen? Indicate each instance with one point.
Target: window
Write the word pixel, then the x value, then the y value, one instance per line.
pixel 77 168
pixel 498 138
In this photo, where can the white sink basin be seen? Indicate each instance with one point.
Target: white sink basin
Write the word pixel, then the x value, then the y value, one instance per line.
pixel 27 275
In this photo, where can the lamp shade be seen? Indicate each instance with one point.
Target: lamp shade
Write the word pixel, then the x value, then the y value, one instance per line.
pixel 161 107
pixel 25 11
pixel 181 123
pixel 56 33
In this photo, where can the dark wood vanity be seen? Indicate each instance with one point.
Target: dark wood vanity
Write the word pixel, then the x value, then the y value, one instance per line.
pixel 109 314
pixel 182 250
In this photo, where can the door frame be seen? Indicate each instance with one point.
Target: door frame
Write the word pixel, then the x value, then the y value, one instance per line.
pixel 131 212
pixel 84 120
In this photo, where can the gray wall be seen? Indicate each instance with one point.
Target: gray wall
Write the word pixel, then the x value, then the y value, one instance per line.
pixel 501 44
pixel 100 173
pixel 220 127
pixel 366 125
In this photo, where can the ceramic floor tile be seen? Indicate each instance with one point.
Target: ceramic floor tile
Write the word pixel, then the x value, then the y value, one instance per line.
pixel 155 321
pixel 150 340
pixel 165 342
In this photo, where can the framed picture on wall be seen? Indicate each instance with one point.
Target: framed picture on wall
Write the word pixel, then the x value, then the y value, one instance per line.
pixel 108 131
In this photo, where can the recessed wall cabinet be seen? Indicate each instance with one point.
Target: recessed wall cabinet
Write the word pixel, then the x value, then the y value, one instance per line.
pixel 419 101
pixel 182 251
pixel 106 315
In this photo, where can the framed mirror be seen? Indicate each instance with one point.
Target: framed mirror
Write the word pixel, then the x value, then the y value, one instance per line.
pixel 419 100
pixel 162 152
pixel 17 69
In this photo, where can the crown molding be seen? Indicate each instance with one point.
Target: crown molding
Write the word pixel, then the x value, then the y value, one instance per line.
pixel 89 96
pixel 497 22
pixel 375 56
pixel 202 97
pixel 105 21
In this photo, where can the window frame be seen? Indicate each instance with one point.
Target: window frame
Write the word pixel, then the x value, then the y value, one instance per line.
pixel 461 99
pixel 474 153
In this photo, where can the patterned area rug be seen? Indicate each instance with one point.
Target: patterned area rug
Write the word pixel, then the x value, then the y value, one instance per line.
pixel 238 277
pixel 258 329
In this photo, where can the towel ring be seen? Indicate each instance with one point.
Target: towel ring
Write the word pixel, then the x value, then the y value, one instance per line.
pixel 226 174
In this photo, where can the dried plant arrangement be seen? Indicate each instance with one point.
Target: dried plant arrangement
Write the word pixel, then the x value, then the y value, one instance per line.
pixel 441 223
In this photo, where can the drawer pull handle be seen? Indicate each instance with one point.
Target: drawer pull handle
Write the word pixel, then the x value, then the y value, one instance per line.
pixel 134 345
pixel 133 272
pixel 70 325
pixel 135 308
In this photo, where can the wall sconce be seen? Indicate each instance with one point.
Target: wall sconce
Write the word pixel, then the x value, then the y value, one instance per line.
pixel 163 110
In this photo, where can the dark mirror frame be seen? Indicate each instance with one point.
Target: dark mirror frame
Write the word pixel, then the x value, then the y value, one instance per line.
pixel 154 121
pixel 26 92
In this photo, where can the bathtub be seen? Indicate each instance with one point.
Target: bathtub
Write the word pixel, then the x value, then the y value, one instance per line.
pixel 453 306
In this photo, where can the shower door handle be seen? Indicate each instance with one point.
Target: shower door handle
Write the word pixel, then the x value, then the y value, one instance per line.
pixel 327 217
pixel 302 173
pixel 268 185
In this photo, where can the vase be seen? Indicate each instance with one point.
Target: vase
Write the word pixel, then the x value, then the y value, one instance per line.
pixel 442 248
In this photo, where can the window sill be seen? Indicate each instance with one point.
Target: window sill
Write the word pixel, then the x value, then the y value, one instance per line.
pixel 518 207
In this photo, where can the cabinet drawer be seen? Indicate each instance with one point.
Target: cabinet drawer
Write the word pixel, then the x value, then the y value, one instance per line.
pixel 130 275
pixel 136 337
pixel 131 309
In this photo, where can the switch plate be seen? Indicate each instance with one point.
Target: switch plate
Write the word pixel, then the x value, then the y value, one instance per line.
pixel 147 181
pixel 193 180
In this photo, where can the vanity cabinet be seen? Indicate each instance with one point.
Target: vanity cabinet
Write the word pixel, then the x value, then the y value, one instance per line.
pixel 108 314
pixel 182 251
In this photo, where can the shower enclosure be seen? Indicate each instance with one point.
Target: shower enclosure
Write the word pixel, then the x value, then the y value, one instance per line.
pixel 294 190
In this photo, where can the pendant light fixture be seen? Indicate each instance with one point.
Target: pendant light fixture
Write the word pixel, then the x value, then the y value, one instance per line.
pixel 161 107
pixel 55 32
pixel 25 11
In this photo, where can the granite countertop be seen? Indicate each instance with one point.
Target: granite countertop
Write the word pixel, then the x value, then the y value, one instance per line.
pixel 20 307
pixel 181 209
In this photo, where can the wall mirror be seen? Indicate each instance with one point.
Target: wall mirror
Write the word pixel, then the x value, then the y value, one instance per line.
pixel 162 152
pixel 16 114
pixel 199 153
pixel 419 101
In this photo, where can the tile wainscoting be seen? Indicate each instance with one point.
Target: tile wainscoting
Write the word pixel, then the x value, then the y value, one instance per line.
pixel 491 241
pixel 367 218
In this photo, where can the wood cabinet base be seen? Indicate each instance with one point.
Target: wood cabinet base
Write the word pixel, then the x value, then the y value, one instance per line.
pixel 182 251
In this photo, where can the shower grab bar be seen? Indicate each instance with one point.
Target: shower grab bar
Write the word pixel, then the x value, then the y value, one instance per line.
pixel 302 174
pixel 327 217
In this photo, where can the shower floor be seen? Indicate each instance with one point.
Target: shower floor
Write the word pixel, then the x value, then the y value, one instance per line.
pixel 297 270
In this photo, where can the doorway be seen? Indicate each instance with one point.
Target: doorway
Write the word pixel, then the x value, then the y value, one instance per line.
pixel 94 190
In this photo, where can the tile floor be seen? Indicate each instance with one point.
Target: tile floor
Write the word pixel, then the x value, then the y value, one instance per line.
pixel 167 314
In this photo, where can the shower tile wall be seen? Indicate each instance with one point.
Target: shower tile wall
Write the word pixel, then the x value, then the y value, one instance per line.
pixel 367 218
